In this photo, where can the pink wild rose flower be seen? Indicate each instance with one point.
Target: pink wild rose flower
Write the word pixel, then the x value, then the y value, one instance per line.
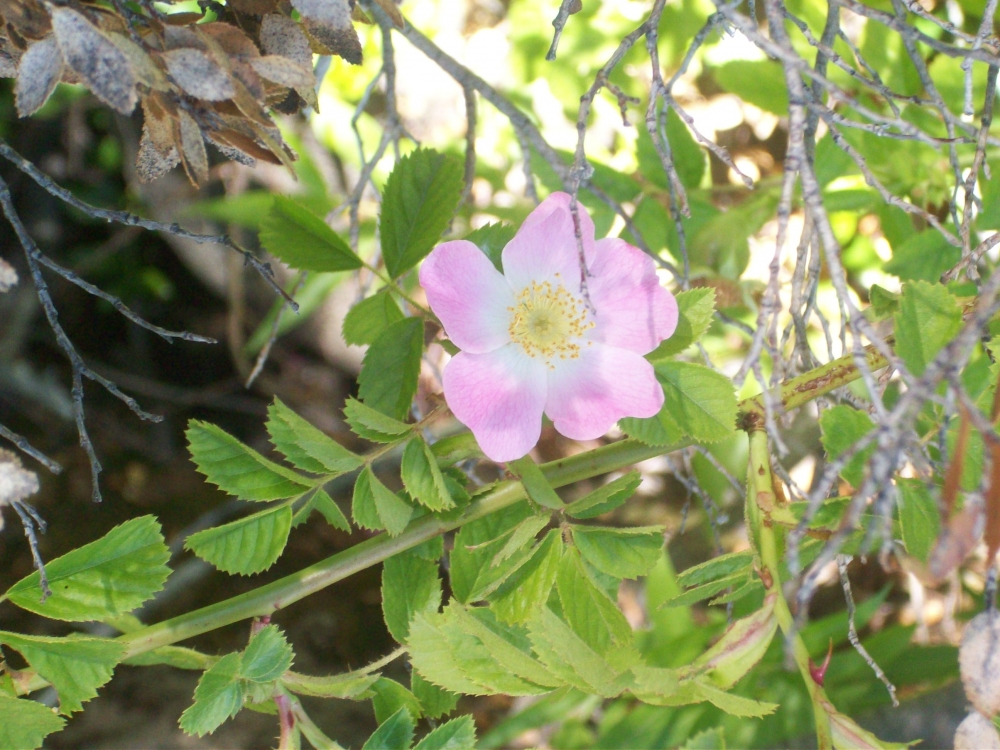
pixel 530 343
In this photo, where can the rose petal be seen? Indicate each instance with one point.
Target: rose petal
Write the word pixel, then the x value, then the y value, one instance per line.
pixel 499 396
pixel 633 310
pixel 545 249
pixel 587 395
pixel 469 296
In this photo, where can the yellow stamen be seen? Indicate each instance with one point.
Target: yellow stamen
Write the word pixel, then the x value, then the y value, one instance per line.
pixel 549 322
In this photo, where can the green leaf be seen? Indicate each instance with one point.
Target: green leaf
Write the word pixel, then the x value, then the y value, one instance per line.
pixel 366 320
pixel 410 584
pixel 567 656
pixel 689 159
pixel 218 696
pixel 303 240
pixel 527 589
pixel 26 723
pixel 388 378
pixel 109 577
pixel 419 199
pixel 695 309
pixel 622 553
pixel 456 448
pixel 76 666
pixel 245 546
pixel 435 701
pixel 476 545
pixel 457 734
pixel 606 498
pixel 760 82
pixel 929 317
pixel 587 609
pixel 374 425
pixel 309 296
pixel 237 468
pixel 422 477
pixel 395 733
pixel 306 446
pixel 376 507
pixel 347 686
pixel 717 567
pixel 535 483
pixel 925 256
pixel 705 590
pixel 734 705
pixel 843 426
pixel 492 239
pixel 267 656
pixel 522 535
pixel 698 402
pixel 710 739
pixel 740 648
pixel 389 696
pixel 884 303
pixel 919 517
pixel 327 507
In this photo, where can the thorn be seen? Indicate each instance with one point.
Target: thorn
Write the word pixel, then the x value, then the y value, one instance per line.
pixel 818 673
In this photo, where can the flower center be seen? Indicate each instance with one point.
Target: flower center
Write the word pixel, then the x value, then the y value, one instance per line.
pixel 548 321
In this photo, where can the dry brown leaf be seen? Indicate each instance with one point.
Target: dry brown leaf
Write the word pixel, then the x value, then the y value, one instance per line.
pixel 391 10
pixel 956 542
pixel 158 123
pixel 177 37
pixel 150 164
pixel 182 19
pixel 8 65
pixel 284 71
pixel 198 74
pixel 102 67
pixel 28 17
pixel 358 16
pixel 145 69
pixel 271 138
pixel 328 23
pixel 193 149
pixel 254 7
pixel 280 35
pixel 230 152
pixel 232 40
pixel 40 70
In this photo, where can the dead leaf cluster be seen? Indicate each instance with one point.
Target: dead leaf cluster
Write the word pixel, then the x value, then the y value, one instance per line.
pixel 217 82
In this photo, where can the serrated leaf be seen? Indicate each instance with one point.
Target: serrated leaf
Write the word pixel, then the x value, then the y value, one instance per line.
pixel 710 739
pixel 847 735
pixel 457 734
pixel 373 425
pixel 435 701
pixel 267 656
pixel 350 685
pixel 95 59
pixel 389 696
pixel 524 533
pixel 109 577
pixel 246 546
pixel 622 553
pixel 395 733
pixel 198 74
pixel 842 426
pixel 734 705
pixel 740 647
pixel 410 584
pixel 306 446
pixel 422 477
pixel 421 195
pixel 76 666
pixel 605 499
pixel 303 240
pixel 698 402
pixel 330 511
pixel 717 567
pixel 492 239
pixel 705 590
pixel 476 544
pixel 376 507
pixel 695 309
pixel 929 317
pixel 366 320
pixel 535 484
pixel 238 469
pixel 218 697
pixel 26 723
pixel 389 372
pixel 527 589
pixel 587 610
pixel 567 656
pixel 919 517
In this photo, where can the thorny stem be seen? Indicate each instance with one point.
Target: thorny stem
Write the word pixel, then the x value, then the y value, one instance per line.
pixel 760 498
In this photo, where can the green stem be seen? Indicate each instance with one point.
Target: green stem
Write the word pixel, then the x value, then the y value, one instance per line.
pixel 760 495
